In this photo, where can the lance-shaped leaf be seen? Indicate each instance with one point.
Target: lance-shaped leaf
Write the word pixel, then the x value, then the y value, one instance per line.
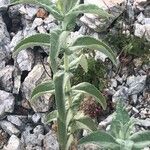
pixel 55 49
pixel 34 40
pixel 91 90
pixel 42 3
pixel 69 141
pixel 69 22
pixel 84 122
pixel 140 139
pixel 88 8
pixel 58 42
pixel 79 60
pixel 69 117
pixel 84 64
pixel 52 116
pixel 120 121
pixel 74 61
pixel 101 139
pixel 76 101
pixel 68 5
pixel 43 88
pixel 88 42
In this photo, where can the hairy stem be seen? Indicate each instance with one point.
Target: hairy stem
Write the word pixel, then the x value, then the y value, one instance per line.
pixel 68 87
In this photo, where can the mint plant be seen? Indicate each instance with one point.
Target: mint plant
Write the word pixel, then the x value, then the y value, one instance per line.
pixel 120 136
pixel 67 97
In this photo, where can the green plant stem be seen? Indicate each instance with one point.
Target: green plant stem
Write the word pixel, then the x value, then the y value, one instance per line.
pixel 68 87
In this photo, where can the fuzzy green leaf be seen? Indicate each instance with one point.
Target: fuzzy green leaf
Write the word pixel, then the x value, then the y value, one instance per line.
pixel 43 88
pixel 140 139
pixel 34 40
pixel 87 42
pixel 85 122
pixel 69 142
pixel 121 122
pixel 69 117
pixel 88 8
pixel 42 3
pixel 92 90
pixel 52 116
pixel 58 42
pixel 69 22
pixel 101 139
pixel 74 61
pixel 84 64
pixel 69 4
pixel 76 101
pixel 55 48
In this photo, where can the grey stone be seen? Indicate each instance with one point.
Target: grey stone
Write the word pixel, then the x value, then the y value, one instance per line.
pixel 107 121
pixel 83 30
pixel 140 17
pixel 50 142
pixel 119 79
pixel 9 128
pixel 121 94
pixel 113 83
pixel 36 76
pixel 38 130
pixel 147 34
pixel 4 5
pixel 41 29
pixel 14 143
pixel 146 20
pixel 16 39
pixel 37 22
pixel 100 56
pixel 7 102
pixel 146 11
pixel 22 10
pixel 33 137
pixel 28 31
pixel 6 78
pixel 139 30
pixel 4 44
pixel 17 84
pixel 110 91
pixel 143 30
pixel 135 110
pixel 36 117
pixel 145 122
pixel 134 98
pixel 31 147
pixel 15 120
pixel 49 19
pixel 97 23
pixel 51 26
pixel 31 11
pixel 25 60
pixel 14 11
pixel 136 84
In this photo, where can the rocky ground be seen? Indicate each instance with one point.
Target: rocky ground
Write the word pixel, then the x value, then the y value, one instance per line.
pixel 22 124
